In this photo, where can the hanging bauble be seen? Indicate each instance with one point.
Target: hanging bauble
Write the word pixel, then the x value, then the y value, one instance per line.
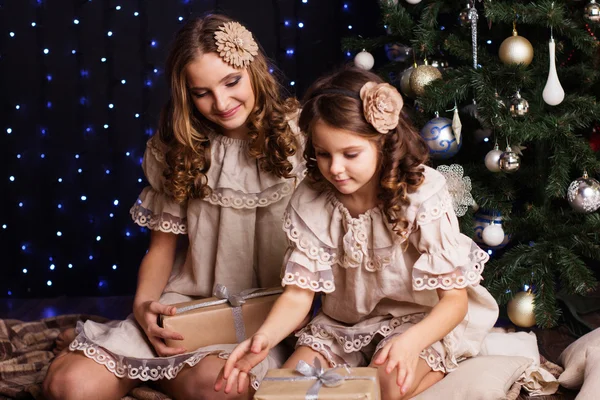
pixel 591 12
pixel 553 93
pixel 493 235
pixel 499 101
pixel 405 83
pixel 422 76
pixel 516 50
pixel 463 16
pixel 440 139
pixel 509 161
pixel 518 106
pixel 413 1
pixel 584 194
pixel 492 159
pixel 520 309
pixel 484 218
pixel 364 60
pixel 397 52
pixel 456 126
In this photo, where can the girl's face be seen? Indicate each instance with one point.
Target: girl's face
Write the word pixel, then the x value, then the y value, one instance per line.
pixel 221 93
pixel 345 159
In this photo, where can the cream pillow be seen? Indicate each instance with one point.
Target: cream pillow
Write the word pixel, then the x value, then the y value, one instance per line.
pixel 573 359
pixel 591 381
pixel 478 378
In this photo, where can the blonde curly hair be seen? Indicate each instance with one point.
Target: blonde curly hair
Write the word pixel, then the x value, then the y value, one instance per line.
pixel 183 130
pixel 334 100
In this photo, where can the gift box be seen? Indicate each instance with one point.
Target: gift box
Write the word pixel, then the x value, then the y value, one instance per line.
pixel 311 382
pixel 223 319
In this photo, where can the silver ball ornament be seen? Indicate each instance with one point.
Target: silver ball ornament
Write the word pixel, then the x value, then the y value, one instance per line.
pixel 492 159
pixel 584 194
pixel 509 161
pixel 440 138
pixel 591 12
pixel 518 106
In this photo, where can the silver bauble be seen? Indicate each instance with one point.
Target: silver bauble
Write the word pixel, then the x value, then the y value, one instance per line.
pixel 584 194
pixel 509 161
pixel 397 52
pixel 591 12
pixel 492 159
pixel 518 106
pixel 405 83
pixel 440 138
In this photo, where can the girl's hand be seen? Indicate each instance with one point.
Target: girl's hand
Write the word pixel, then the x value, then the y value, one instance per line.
pixel 146 314
pixel 401 354
pixel 243 358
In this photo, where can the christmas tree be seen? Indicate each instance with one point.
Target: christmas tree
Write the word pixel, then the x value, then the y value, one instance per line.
pixel 514 84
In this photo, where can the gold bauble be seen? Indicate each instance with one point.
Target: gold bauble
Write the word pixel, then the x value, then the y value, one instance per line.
pixel 423 76
pixel 516 50
pixel 520 310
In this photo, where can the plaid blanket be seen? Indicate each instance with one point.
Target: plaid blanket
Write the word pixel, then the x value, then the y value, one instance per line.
pixel 26 353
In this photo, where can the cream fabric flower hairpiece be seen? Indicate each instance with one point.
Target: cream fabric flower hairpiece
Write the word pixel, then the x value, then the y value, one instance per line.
pixel 235 44
pixel 381 105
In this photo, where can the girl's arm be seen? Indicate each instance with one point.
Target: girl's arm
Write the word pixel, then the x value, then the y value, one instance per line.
pixel 402 352
pixel 287 313
pixel 443 318
pixel 153 275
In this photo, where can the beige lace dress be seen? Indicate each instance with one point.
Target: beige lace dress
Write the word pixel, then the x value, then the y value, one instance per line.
pixel 377 284
pixel 235 238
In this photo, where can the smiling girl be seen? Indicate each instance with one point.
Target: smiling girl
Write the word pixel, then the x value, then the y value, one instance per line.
pixel 221 169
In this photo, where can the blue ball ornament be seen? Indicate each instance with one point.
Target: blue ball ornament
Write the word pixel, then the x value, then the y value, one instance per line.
pixel 440 138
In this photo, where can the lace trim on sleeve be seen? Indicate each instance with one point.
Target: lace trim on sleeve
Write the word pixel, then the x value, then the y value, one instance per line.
pixel 320 281
pixel 163 222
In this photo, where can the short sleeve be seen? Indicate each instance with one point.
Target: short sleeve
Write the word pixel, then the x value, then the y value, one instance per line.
pixel 154 208
pixel 308 262
pixel 449 259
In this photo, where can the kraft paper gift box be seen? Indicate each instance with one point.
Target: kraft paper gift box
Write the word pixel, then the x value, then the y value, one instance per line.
pixel 223 319
pixel 308 382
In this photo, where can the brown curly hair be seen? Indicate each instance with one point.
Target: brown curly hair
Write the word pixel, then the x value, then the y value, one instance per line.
pixel 335 101
pixel 184 130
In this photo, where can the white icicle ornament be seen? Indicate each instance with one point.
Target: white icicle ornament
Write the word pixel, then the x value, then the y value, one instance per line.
pixel 553 93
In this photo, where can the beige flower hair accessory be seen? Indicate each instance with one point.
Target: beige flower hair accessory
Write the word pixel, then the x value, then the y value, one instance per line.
pixel 381 105
pixel 235 44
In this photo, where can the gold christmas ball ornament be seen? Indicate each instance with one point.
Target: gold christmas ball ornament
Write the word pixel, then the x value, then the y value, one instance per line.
pixel 520 309
pixel 591 12
pixel 423 76
pixel 516 50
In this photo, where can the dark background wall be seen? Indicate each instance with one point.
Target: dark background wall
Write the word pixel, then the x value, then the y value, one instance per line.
pixel 82 86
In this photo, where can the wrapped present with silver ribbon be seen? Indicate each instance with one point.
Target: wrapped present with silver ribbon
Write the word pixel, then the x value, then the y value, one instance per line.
pixel 237 316
pixel 313 382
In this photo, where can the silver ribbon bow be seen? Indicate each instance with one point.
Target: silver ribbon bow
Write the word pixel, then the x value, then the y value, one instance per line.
pixel 235 301
pixel 322 377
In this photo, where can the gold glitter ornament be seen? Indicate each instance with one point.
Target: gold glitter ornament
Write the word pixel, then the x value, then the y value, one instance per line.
pixel 516 50
pixel 520 309
pixel 423 76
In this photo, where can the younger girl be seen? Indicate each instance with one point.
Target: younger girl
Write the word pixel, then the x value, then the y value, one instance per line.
pixel 373 229
pixel 221 169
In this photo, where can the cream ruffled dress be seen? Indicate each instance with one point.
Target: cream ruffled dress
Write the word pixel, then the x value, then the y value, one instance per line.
pixel 235 239
pixel 378 284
